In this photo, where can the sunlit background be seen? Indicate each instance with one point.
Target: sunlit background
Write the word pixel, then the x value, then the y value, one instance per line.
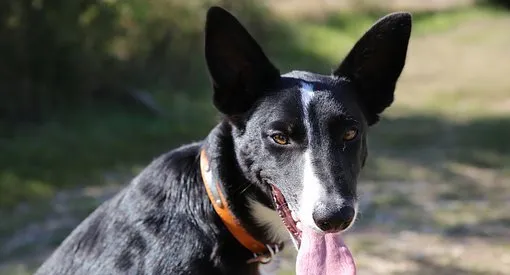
pixel 92 90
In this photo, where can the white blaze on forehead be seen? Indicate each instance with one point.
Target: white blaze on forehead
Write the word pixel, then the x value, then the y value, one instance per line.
pixel 306 96
pixel 311 185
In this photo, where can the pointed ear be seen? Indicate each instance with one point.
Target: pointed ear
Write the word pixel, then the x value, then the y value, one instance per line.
pixel 376 61
pixel 239 69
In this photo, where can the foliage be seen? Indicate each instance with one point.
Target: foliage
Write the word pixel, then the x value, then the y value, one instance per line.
pixel 57 54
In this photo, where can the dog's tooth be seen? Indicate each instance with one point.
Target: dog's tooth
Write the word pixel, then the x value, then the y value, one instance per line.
pixel 298 226
pixel 294 216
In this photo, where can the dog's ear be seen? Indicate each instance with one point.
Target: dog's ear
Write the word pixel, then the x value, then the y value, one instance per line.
pixel 239 69
pixel 375 62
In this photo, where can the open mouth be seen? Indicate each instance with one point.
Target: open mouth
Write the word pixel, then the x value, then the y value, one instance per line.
pixel 289 218
pixel 318 252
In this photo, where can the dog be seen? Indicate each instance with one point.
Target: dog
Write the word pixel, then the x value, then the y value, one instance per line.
pixel 281 164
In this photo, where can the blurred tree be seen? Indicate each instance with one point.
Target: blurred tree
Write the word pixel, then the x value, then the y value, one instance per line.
pixel 51 53
pixel 57 54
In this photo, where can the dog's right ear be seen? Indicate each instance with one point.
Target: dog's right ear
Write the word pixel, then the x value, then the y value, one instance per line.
pixel 239 69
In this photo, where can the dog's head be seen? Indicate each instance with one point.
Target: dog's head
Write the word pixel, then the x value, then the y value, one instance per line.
pixel 303 136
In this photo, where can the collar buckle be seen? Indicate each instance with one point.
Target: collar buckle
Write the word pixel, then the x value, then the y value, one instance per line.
pixel 265 258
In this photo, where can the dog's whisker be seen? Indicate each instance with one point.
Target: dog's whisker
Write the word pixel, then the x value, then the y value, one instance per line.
pixel 246 188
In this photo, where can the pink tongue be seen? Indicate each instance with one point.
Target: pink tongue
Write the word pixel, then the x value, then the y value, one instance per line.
pixel 323 255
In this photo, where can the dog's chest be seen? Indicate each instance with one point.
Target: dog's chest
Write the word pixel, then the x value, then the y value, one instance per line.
pixel 269 218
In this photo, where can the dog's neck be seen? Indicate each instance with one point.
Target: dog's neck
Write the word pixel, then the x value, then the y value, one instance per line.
pixel 250 204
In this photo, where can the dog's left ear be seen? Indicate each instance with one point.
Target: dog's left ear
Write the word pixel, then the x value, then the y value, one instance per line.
pixel 376 61
pixel 239 69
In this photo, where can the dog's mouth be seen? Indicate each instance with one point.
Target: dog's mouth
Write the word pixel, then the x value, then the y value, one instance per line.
pixel 318 252
pixel 289 218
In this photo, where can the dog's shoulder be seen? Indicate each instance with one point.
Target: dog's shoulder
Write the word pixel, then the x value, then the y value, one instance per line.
pixel 177 167
pixel 143 226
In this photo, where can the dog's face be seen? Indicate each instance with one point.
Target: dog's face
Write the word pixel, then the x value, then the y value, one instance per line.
pixel 302 136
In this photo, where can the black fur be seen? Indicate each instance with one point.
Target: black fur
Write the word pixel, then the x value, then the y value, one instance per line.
pixel 376 61
pixel 164 223
pixel 240 71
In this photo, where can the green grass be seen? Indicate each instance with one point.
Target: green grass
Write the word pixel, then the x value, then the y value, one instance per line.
pixel 330 38
pixel 80 148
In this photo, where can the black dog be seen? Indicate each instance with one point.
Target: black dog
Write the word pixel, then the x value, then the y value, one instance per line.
pixel 282 164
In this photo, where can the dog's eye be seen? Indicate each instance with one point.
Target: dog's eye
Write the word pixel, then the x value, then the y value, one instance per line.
pixel 280 139
pixel 350 134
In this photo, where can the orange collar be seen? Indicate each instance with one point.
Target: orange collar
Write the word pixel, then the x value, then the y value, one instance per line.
pixel 221 207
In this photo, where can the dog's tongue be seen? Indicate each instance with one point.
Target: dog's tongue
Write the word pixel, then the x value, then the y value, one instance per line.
pixel 321 254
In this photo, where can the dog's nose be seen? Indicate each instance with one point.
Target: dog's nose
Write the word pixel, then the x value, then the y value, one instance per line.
pixel 333 219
